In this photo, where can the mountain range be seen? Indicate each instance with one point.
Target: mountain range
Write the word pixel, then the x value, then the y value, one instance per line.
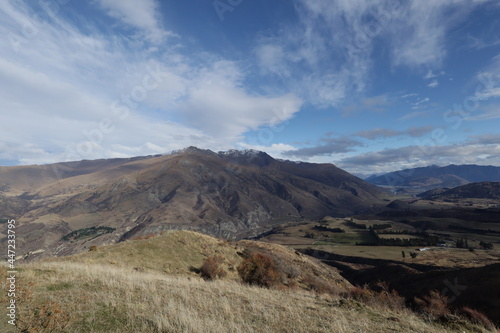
pixel 430 177
pixel 481 190
pixel 65 208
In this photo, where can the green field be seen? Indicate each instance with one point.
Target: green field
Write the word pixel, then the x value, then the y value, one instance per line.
pixel 347 238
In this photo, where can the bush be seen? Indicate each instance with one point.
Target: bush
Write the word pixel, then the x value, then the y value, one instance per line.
pixel 41 316
pixel 486 245
pixel 384 298
pixel 92 248
pixel 435 304
pixel 478 317
pixel 211 268
pixel 259 269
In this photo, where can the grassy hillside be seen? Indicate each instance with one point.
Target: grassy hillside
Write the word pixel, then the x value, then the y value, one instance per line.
pixel 152 285
pixel 76 297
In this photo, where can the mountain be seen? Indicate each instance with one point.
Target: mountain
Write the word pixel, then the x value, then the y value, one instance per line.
pixel 435 176
pixel 482 190
pixel 65 208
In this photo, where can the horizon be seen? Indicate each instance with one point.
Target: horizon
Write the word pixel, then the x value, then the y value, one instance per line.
pixel 369 86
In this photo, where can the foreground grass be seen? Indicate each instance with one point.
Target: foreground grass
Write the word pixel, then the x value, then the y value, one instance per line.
pixel 76 297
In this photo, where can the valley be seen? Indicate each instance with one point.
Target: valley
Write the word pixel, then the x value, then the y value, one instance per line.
pixel 233 225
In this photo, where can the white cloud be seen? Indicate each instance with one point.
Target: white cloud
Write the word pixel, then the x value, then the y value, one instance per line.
pixel 276 150
pixel 335 40
pixel 488 112
pixel 71 96
pixel 271 58
pixel 430 75
pixel 218 105
pixel 141 14
pixel 421 101
pixel 433 84
pixel 487 94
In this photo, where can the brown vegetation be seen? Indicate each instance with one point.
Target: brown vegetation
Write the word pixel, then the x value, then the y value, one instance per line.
pixel 259 269
pixel 212 269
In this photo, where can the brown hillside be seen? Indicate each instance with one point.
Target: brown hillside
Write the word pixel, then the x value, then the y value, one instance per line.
pixel 229 194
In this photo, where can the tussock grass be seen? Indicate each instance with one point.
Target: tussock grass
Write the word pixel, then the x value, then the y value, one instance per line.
pixel 105 298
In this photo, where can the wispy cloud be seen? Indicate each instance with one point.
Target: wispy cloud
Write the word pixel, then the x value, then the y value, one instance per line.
pixel 140 14
pixel 483 151
pixel 371 104
pixel 377 133
pixel 104 96
pixel 429 75
pixel 328 146
pixel 433 84
pixel 383 133
pixel 336 39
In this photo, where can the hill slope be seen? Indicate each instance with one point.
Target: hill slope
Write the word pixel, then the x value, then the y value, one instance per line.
pixel 229 194
pixel 482 190
pixel 105 291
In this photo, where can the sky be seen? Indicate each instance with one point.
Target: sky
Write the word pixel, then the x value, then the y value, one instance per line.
pixel 370 86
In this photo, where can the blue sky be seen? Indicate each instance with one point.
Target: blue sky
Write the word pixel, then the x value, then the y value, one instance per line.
pixel 371 86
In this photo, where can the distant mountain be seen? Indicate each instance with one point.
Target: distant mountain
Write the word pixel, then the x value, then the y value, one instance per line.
pixel 435 177
pixel 229 194
pixel 482 190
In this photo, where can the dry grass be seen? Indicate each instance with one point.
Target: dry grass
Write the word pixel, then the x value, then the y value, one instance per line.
pixel 173 252
pixel 103 298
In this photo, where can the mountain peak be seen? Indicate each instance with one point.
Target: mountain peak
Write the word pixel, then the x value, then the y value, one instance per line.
pixel 193 150
pixel 247 156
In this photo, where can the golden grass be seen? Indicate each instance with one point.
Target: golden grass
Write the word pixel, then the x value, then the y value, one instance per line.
pixel 104 298
pixel 173 252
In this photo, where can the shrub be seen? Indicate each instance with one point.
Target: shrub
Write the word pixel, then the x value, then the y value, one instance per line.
pixel 389 298
pixel 259 269
pixel 92 248
pixel 435 304
pixel 211 268
pixel 383 298
pixel 47 316
pixel 478 317
pixel 486 245
pixel 362 294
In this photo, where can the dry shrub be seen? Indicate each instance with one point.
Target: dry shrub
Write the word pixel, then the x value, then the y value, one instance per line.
pixel 92 248
pixel 148 236
pixel 47 317
pixel 390 298
pixel 41 317
pixel 435 304
pixel 212 268
pixel 385 298
pixel 478 317
pixel 362 294
pixel 259 269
